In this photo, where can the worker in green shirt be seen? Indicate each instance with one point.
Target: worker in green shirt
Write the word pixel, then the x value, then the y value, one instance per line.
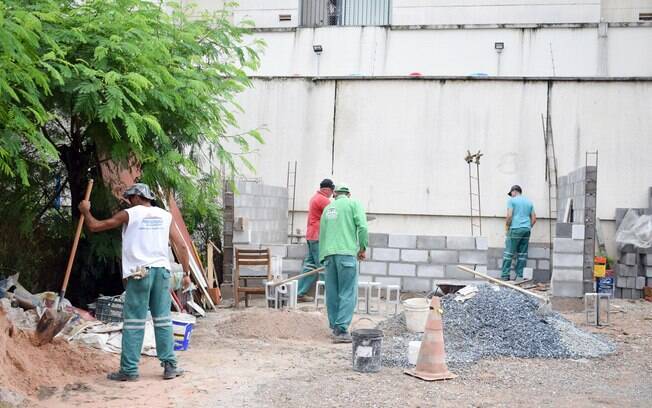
pixel 343 237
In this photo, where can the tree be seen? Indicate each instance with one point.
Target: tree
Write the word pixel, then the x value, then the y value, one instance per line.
pixel 126 80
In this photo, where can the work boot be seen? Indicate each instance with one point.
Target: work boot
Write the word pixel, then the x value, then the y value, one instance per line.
pixel 342 337
pixel 170 371
pixel 305 299
pixel 120 376
pixel 504 279
pixel 519 279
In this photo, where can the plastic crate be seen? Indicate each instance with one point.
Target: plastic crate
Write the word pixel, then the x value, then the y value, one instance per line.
pixel 109 309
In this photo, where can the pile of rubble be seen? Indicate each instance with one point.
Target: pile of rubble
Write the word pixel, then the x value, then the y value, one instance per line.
pixel 496 323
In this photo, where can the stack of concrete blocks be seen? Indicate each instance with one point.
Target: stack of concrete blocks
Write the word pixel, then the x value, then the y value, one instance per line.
pixel 255 214
pixel 415 262
pixel 633 268
pixel 539 259
pixel 576 239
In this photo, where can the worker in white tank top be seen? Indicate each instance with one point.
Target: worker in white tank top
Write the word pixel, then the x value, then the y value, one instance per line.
pixel 146 233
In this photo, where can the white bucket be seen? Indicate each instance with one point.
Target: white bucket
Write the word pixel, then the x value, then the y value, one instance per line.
pixel 416 314
pixel 413 352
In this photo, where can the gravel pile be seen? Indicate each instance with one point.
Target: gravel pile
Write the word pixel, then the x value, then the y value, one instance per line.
pixel 496 324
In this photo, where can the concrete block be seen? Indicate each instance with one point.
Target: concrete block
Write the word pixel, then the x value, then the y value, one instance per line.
pixel 531 263
pixel 620 214
pixel 460 242
pixel 648 272
pixel 386 254
pixel 277 250
pixel 292 265
pixel 297 251
pixel 568 275
pixel 454 273
pixel 365 278
pixel 542 275
pixel 538 252
pixel 648 282
pixel 387 280
pixel 401 269
pixel 402 241
pixel 567 289
pixel 567 245
pixel 543 264
pixel 629 259
pixel 563 230
pixel 378 240
pixel 414 255
pixel 618 293
pixel 482 243
pixel 443 257
pixel 567 260
pixel 578 231
pixel 430 271
pixel 473 257
pixel 628 293
pixel 417 285
pixel 494 273
pixel 626 270
pixel 640 282
pixel 429 242
pixel 373 268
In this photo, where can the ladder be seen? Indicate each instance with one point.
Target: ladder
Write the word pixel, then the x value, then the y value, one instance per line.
pixel 551 173
pixel 292 189
pixel 473 160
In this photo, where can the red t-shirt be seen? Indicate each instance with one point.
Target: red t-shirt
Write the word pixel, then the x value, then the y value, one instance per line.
pixel 315 208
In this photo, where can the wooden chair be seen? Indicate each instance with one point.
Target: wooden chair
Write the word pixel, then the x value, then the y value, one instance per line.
pixel 250 264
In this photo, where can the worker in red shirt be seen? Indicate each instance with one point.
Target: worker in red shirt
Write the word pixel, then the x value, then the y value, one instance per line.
pixel 318 202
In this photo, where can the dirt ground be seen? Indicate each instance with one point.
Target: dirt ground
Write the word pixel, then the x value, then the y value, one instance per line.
pixel 228 368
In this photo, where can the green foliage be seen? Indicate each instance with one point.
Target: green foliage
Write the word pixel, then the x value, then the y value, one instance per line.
pixel 82 81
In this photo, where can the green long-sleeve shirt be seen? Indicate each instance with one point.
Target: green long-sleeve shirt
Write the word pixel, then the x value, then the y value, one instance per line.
pixel 343 228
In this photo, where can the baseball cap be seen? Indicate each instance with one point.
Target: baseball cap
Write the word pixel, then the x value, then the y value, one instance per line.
pixel 515 187
pixel 140 189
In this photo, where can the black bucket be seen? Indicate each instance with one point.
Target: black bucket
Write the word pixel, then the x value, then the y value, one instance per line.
pixel 367 350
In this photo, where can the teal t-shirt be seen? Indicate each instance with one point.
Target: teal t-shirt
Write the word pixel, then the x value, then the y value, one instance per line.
pixel 521 210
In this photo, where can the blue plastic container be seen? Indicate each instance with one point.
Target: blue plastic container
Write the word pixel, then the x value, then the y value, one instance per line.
pixel 182 324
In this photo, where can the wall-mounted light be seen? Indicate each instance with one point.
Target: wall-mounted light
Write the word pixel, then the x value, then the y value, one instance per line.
pixel 499 46
pixel 317 48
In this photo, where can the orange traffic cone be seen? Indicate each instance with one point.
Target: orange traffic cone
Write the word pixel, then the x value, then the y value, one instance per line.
pixel 431 363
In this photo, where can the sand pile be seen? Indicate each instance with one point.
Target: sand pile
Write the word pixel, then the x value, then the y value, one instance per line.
pixel 275 324
pixel 26 369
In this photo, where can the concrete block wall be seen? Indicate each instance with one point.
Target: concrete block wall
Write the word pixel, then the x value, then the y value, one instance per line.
pixel 567 273
pixel 575 186
pixel 539 259
pixel 265 211
pixel 416 262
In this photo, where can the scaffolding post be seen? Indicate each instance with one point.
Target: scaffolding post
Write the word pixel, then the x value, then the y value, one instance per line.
pixel 292 189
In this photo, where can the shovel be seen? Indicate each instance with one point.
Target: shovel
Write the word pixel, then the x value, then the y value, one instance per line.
pixel 53 320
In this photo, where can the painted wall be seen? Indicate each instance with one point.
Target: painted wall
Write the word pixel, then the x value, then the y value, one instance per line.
pixel 624 10
pixel 380 51
pixel 400 144
pixel 410 12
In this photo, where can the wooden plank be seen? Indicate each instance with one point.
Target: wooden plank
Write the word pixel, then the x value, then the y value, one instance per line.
pixel 252 256
pixel 211 267
pixel 251 251
pixel 251 262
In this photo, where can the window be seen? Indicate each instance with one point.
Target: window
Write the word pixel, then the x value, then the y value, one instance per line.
pixel 318 13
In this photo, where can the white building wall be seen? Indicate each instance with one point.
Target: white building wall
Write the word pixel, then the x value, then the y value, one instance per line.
pixel 380 51
pixel 624 10
pixel 400 144
pixel 429 12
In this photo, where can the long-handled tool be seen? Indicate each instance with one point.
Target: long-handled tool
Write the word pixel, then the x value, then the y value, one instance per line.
pixel 53 320
pixel 303 275
pixel 543 308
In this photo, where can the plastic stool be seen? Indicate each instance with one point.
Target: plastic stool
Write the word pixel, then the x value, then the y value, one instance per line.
pixel 375 289
pixel 319 294
pixel 365 297
pixel 270 295
pixel 395 289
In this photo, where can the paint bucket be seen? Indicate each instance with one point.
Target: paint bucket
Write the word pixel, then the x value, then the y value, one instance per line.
pixel 367 350
pixel 416 314
pixel 413 352
pixel 182 324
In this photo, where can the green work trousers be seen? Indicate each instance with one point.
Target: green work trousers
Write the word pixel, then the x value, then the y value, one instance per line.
pixel 310 262
pixel 341 290
pixel 151 292
pixel 516 243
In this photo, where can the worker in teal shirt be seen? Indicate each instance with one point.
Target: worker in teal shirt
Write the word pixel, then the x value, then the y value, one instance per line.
pixel 519 222
pixel 343 237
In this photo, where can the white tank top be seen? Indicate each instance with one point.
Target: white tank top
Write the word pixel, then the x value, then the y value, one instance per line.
pixel 145 239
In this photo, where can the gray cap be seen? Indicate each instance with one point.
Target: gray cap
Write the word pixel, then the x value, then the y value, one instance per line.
pixel 140 189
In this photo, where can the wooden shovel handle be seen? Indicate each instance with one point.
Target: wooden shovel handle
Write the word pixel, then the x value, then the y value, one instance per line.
pixel 73 251
pixel 503 283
